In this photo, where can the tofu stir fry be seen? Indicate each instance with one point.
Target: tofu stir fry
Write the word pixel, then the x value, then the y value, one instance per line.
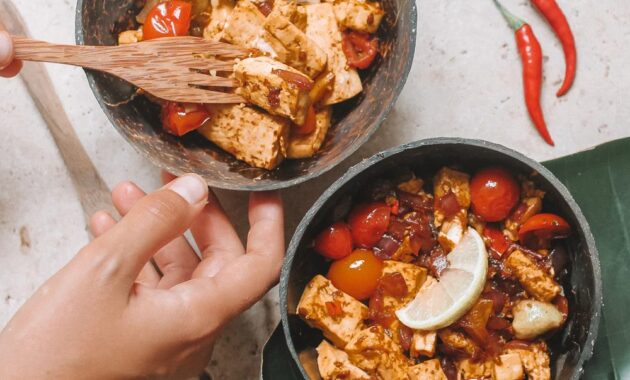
pixel 304 60
pixel 401 240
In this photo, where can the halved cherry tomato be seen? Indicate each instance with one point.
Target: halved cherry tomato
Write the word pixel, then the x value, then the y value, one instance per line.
pixel 356 274
pixel 540 228
pixel 360 49
pixel 335 242
pixel 310 123
pixel 498 241
pixel 493 192
pixel 169 19
pixel 179 119
pixel 368 223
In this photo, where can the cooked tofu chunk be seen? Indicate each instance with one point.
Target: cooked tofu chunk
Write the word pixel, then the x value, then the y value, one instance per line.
pixel 304 54
pixel 245 28
pixel 304 146
pixel 525 210
pixel 374 351
pixel 359 15
pixel 423 344
pixel 321 27
pixel 338 328
pixel 130 37
pixel 427 370
pixel 533 318
pixel 334 364
pixel 414 277
pixel 535 360
pixel 446 182
pixel 536 281
pixel 458 341
pixel 508 367
pixel 261 83
pixel 219 16
pixel 250 135
pixel 468 369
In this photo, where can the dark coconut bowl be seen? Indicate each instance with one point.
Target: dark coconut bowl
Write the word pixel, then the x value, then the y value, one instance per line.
pixel 570 348
pixel 99 22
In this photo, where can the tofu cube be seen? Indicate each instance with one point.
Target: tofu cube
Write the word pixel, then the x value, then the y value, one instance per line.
pixel 538 283
pixel 339 329
pixel 261 84
pixel 245 28
pixel 508 367
pixel 535 361
pixel 219 16
pixel 130 37
pixel 304 54
pixel 250 135
pixel 304 146
pixel 534 318
pixel 427 370
pixel 375 352
pixel 321 27
pixel 452 229
pixel 423 344
pixel 334 364
pixel 469 369
pixel 414 276
pixel 360 15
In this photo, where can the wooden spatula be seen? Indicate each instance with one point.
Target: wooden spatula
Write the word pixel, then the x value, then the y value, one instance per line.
pixel 179 69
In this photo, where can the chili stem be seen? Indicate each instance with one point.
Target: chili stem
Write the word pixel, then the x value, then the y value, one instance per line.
pixel 513 21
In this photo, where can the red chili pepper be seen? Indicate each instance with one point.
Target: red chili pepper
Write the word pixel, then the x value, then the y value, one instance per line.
pixel 556 18
pixel 179 119
pixel 531 55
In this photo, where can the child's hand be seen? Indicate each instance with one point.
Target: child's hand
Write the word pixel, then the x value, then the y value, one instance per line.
pixel 109 314
pixel 9 67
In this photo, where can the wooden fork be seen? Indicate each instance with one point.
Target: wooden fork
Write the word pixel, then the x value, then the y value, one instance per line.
pixel 179 69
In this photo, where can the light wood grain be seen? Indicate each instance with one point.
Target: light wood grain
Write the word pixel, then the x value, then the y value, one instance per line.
pixel 93 193
pixel 176 69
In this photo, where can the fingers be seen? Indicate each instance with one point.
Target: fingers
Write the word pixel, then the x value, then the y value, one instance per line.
pixel 245 280
pixel 100 223
pixel 8 66
pixel 176 260
pixel 152 222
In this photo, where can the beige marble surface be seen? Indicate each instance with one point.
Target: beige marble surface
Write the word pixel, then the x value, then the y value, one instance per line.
pixel 465 82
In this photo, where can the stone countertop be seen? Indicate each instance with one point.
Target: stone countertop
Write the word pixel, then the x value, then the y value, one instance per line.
pixel 466 82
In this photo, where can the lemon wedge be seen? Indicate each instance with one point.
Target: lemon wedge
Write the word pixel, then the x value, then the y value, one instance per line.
pixel 440 303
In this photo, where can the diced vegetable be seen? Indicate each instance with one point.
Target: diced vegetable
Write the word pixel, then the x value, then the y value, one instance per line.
pixel 179 119
pixel 539 229
pixel 360 49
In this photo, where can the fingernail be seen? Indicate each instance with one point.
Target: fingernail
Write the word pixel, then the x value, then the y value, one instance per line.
pixel 191 187
pixel 6 49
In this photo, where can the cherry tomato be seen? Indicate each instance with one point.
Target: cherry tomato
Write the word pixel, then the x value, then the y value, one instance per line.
pixel 169 19
pixel 356 274
pixel 309 124
pixel 335 242
pixel 360 49
pixel 493 192
pixel 498 241
pixel 540 228
pixel 179 119
pixel 368 223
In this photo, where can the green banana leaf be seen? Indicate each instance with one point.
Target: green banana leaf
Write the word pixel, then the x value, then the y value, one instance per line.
pixel 599 180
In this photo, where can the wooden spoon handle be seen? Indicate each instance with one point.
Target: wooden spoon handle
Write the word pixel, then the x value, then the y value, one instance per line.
pixel 28 49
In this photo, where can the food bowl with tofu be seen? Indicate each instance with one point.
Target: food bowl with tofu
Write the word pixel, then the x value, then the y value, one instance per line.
pixel 319 80
pixel 442 259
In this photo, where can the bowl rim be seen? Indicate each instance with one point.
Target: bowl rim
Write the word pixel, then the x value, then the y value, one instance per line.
pixel 280 184
pixel 587 350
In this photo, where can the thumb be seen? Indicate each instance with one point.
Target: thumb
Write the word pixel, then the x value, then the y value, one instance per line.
pixel 153 222
pixel 6 49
